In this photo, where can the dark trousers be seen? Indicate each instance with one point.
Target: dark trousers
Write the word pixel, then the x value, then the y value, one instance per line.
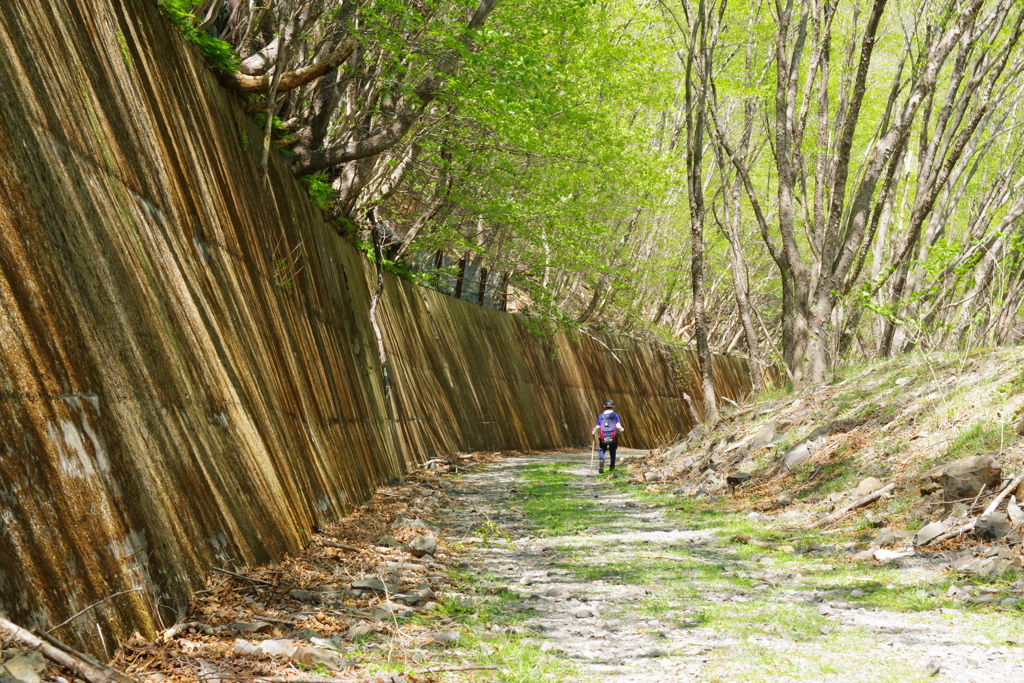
pixel 611 452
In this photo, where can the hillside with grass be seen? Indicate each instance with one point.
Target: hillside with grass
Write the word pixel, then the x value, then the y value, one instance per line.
pixel 802 457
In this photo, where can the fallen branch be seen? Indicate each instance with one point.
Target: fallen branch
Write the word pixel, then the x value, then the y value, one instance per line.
pixel 340 546
pixel 1002 494
pixel 434 670
pixel 866 500
pixel 95 604
pixel 956 531
pixel 275 620
pixel 243 576
pixel 970 524
pixel 87 668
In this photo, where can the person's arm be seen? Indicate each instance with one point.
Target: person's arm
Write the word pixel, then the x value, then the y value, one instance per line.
pixel 618 423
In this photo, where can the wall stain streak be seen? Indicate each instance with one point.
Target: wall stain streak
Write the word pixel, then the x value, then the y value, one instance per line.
pixel 165 404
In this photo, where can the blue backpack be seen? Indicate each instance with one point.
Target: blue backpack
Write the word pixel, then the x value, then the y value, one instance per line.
pixel 607 425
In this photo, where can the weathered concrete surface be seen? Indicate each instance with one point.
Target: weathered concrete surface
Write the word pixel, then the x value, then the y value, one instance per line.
pixel 187 374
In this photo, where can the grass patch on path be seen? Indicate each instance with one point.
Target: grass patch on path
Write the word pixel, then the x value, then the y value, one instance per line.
pixel 551 505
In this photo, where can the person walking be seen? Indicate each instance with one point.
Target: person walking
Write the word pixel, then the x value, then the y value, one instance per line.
pixel 609 426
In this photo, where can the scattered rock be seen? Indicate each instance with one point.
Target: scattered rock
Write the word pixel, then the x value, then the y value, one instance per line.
pixel 377 586
pixel 244 628
pixel 884 539
pixel 964 478
pixel 211 673
pixel 933 667
pixel 795 457
pixel 994 525
pixel 763 437
pixel 929 532
pixel 390 542
pixel 25 668
pixel 309 634
pixel 449 636
pixel 278 647
pixel 737 479
pixel 985 567
pixel 931 480
pixel 407 599
pixel 873 518
pixel 423 545
pixel 358 631
pixel 318 656
pixel 884 555
pixel 1014 511
pixel 867 487
pixel 302 595
pixel 957 510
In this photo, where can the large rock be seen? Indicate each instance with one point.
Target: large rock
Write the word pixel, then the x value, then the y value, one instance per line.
pixel 931 481
pixel 795 457
pixel 1014 511
pixel 867 487
pixel 884 538
pixel 992 526
pixel 928 533
pixel 763 437
pixel 423 545
pixel 965 477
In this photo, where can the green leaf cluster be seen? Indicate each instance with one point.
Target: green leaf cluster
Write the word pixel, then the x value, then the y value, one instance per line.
pixel 219 53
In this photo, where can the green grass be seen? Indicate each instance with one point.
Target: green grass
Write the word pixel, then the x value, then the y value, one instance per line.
pixel 788 619
pixel 979 439
pixel 1014 386
pixel 481 623
pixel 218 52
pixel 554 511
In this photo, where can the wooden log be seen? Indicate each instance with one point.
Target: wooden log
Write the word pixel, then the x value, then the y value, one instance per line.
pixel 866 500
pixel 87 668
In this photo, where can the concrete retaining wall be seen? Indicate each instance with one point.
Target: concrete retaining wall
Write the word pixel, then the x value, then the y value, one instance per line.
pixel 187 373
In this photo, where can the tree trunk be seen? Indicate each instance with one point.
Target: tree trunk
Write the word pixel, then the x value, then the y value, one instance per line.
pixel 695 98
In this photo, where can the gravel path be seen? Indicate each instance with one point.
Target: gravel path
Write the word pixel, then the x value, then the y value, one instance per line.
pixel 782 623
